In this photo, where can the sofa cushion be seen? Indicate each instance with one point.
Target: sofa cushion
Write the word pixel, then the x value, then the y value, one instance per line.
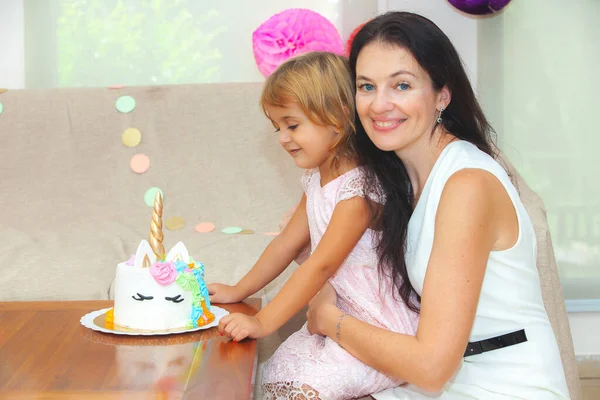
pixel 72 208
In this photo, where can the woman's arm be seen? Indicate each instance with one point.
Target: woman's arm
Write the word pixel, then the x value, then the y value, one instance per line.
pixel 467 226
pixel 276 257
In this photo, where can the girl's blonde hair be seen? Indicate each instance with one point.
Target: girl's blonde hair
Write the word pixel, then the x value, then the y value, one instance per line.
pixel 320 83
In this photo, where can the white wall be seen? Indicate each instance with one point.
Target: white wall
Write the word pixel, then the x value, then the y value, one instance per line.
pixel 461 29
pixel 12 43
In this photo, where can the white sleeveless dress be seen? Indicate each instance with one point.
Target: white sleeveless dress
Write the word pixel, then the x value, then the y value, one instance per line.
pixel 510 300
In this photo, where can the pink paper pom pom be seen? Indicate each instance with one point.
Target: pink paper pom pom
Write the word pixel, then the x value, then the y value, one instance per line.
pixel 291 33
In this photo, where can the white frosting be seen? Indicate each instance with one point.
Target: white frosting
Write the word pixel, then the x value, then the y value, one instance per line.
pixel 157 313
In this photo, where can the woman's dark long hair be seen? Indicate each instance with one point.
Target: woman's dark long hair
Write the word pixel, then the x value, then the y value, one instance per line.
pixel 463 118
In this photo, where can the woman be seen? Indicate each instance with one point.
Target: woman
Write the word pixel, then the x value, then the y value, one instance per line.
pixel 454 234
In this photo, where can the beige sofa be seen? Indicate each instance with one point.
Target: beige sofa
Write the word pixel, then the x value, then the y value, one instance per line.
pixel 72 208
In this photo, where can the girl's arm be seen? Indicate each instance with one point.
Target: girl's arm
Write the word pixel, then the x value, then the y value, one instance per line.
pixel 279 253
pixel 274 259
pixel 473 210
pixel 348 223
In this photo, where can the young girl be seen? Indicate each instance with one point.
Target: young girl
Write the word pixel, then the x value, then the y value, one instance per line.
pixel 309 100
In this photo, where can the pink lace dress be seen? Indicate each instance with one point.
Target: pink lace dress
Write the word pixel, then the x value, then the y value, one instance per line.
pixel 309 366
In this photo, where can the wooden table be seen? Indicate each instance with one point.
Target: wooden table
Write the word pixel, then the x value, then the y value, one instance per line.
pixel 45 353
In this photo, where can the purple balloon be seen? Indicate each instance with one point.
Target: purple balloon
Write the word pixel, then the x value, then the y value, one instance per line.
pixel 479 7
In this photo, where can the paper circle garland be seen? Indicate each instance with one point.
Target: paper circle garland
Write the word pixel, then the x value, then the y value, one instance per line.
pixel 125 104
pixel 231 230
pixel 151 194
pixel 139 163
pixel 479 7
pixel 291 33
pixel 174 223
pixel 204 227
pixel 131 137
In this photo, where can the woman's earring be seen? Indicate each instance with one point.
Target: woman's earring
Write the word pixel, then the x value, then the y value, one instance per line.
pixel 439 120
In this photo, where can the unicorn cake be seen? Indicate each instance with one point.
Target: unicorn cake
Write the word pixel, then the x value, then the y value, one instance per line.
pixel 159 292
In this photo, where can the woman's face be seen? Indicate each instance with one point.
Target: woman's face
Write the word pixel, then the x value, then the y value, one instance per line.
pixel 395 99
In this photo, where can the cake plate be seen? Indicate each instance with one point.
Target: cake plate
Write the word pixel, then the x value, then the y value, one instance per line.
pixel 95 321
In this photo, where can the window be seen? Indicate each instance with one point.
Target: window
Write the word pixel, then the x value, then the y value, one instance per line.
pixel 78 43
pixel 537 82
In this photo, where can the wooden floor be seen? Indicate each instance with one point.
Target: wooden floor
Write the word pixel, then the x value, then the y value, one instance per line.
pixel 589 373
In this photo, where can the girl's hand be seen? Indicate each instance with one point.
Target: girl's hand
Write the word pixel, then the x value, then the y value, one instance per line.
pixel 322 309
pixel 219 293
pixel 240 326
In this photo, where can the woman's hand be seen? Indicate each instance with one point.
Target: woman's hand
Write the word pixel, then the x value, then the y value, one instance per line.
pixel 322 310
pixel 220 293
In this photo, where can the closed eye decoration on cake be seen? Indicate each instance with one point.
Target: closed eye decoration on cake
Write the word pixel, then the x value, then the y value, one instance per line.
pixel 153 275
pixel 176 299
pixel 141 297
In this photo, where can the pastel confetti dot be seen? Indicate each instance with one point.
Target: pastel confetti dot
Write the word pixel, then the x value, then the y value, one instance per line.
pixel 247 232
pixel 1 108
pixel 116 86
pixel 139 163
pixel 131 137
pixel 3 90
pixel 174 223
pixel 231 230
pixel 125 104
pixel 272 233
pixel 204 227
pixel 151 194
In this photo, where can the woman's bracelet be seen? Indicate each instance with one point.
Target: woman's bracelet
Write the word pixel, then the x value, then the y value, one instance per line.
pixel 338 327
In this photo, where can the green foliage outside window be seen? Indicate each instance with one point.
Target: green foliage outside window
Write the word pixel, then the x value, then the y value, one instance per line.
pixel 143 42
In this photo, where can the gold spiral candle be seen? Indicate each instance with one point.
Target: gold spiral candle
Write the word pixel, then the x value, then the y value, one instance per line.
pixel 156 235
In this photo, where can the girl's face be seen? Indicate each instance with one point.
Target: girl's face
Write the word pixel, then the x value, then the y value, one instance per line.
pixel 395 99
pixel 309 144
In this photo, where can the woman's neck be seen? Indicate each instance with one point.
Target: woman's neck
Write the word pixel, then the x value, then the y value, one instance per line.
pixel 421 157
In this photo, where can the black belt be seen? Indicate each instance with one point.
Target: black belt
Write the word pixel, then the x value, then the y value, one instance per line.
pixel 495 343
